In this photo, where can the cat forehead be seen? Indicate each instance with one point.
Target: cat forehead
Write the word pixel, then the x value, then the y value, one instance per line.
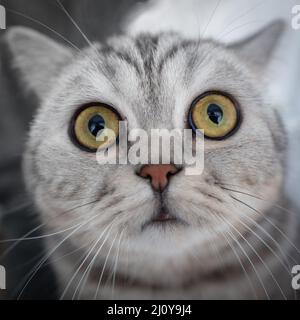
pixel 151 72
pixel 147 57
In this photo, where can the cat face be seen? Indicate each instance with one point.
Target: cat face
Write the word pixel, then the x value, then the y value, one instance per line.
pixel 151 82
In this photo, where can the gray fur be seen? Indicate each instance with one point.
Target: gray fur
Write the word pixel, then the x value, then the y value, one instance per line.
pixel 152 82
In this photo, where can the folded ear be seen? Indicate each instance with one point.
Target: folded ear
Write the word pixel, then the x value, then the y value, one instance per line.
pixel 38 58
pixel 258 49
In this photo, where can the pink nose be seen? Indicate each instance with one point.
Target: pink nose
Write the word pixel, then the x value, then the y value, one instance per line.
pixel 159 174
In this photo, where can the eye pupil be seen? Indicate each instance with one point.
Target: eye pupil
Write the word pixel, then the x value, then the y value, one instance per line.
pixel 96 124
pixel 215 113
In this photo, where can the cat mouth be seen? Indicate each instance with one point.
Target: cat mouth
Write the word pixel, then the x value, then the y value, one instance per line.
pixel 163 218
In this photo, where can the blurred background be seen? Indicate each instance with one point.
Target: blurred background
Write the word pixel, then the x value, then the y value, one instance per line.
pixel 224 20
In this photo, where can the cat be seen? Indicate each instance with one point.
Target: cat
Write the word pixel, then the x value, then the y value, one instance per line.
pixel 114 233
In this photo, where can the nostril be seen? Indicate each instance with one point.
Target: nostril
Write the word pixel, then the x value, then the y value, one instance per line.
pixel 173 171
pixel 147 177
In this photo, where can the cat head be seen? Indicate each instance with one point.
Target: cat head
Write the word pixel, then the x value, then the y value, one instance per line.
pixel 151 82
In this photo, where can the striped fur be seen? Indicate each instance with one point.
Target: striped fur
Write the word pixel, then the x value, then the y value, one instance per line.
pixel 230 245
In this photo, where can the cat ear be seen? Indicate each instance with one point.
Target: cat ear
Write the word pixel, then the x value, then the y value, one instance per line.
pixel 257 50
pixel 38 58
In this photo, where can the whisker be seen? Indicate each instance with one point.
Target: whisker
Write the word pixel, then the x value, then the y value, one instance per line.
pixel 17 208
pixel 256 253
pixel 224 35
pixel 108 227
pixel 38 266
pixel 258 237
pixel 232 236
pixel 74 23
pixel 211 17
pixel 45 26
pixel 25 236
pixel 236 255
pixel 41 237
pixel 263 241
pixel 116 264
pixel 265 232
pixel 103 269
pixel 92 45
pixel 256 197
pixel 242 265
pixel 265 217
pixel 244 14
pixel 78 263
pixel 69 254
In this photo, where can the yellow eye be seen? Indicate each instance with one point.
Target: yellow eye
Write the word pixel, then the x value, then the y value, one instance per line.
pixel 91 124
pixel 215 113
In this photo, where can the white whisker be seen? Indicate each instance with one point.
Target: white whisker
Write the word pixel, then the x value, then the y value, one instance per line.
pixel 74 23
pixel 242 265
pixel 92 260
pixel 231 235
pixel 45 26
pixel 116 263
pixel 38 265
pixel 103 269
pixel 256 253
